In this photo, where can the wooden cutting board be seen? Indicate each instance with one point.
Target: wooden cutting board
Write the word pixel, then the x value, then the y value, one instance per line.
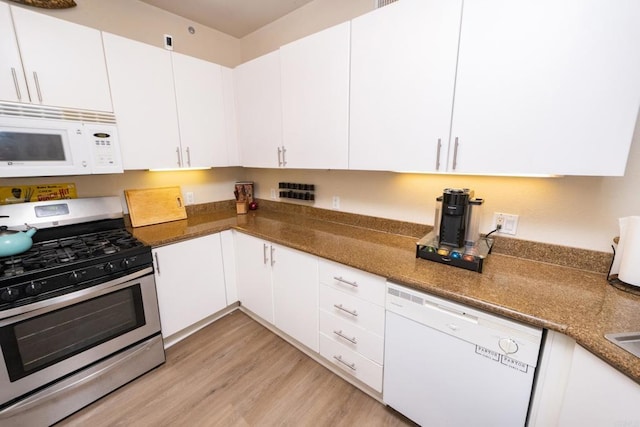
pixel 155 205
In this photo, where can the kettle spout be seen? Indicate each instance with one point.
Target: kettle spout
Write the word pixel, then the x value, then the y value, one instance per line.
pixel 30 230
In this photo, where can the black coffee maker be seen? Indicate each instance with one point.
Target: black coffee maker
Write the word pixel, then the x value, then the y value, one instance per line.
pixel 454 216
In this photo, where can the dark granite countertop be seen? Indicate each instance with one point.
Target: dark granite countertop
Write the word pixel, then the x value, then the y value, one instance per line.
pixel 578 303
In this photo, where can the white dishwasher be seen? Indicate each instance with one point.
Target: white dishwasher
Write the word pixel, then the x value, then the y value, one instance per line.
pixel 450 365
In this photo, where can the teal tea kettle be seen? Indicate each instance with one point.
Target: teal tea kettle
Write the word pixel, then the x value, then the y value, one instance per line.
pixel 14 242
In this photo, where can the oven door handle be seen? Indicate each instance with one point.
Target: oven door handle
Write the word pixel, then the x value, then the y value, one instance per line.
pixel 12 316
pixel 55 390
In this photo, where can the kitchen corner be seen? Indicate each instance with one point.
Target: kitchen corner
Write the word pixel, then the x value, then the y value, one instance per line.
pixel 573 301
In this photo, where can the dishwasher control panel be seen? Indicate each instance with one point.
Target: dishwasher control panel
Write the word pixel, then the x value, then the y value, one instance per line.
pixel 491 333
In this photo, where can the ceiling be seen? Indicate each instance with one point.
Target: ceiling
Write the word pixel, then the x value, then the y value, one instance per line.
pixel 234 17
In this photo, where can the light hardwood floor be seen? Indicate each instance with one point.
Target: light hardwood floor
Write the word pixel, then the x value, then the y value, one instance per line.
pixel 235 372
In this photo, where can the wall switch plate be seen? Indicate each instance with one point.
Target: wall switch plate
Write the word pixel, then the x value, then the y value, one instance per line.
pixel 335 203
pixel 190 198
pixel 507 222
pixel 273 193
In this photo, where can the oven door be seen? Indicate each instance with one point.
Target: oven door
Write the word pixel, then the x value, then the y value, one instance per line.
pixel 74 331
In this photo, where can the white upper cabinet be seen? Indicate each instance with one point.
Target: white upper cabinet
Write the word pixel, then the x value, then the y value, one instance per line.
pixel 62 62
pixel 13 86
pixel 259 111
pixel 201 112
pixel 144 103
pixel 546 86
pixel 170 107
pixel 229 96
pixel 315 99
pixel 403 63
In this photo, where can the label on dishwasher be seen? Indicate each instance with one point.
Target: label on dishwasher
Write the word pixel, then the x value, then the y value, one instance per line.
pixel 505 360
pixel 515 364
pixel 490 354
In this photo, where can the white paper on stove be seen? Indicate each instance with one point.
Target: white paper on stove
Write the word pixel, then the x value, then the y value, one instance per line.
pixel 630 256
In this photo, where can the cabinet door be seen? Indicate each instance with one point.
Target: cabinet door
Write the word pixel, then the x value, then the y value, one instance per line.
pixel 200 104
pixel 315 99
pixel 295 294
pixel 13 86
pixel 63 62
pixel 547 86
pixel 403 63
pixel 597 394
pixel 229 96
pixel 259 110
pixel 185 294
pixel 253 275
pixel 144 103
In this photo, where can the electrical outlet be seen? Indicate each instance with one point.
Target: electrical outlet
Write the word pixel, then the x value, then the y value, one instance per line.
pixel 336 202
pixel 190 198
pixel 273 193
pixel 508 223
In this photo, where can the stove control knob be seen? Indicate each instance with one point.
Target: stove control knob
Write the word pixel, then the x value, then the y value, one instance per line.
pixel 9 295
pixel 33 288
pixel 125 263
pixel 74 277
pixel 108 267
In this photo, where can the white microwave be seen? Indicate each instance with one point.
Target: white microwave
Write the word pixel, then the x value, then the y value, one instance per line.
pixel 51 147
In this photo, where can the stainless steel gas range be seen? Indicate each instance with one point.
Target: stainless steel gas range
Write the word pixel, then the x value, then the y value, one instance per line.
pixel 78 310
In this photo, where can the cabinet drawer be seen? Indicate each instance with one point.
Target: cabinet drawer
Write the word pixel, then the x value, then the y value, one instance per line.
pixel 353 281
pixel 354 337
pixel 352 363
pixel 352 309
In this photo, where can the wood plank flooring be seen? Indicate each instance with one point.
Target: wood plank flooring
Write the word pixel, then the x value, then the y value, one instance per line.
pixel 235 372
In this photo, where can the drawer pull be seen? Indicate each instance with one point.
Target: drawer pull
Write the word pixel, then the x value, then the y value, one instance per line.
pixel 346 310
pixel 341 335
pixel 351 366
pixel 341 280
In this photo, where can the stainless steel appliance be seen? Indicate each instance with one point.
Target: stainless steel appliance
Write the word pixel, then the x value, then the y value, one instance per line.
pixel 78 310
pixel 456 238
pixel 450 365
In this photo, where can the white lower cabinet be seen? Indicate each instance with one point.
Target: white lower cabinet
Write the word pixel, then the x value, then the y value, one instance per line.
pixel 598 395
pixel 352 320
pixel 186 293
pixel 280 285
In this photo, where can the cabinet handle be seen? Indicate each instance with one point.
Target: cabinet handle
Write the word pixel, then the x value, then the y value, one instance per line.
pixel 284 156
pixel 15 83
pixel 188 157
pixel 178 155
pixel 455 154
pixel 273 261
pixel 351 366
pixel 341 335
pixel 279 154
pixel 341 280
pixel 264 253
pixel 35 78
pixel 155 255
pixel 354 313
pixel 438 154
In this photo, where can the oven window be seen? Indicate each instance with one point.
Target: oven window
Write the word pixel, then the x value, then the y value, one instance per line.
pixel 37 343
pixel 31 147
